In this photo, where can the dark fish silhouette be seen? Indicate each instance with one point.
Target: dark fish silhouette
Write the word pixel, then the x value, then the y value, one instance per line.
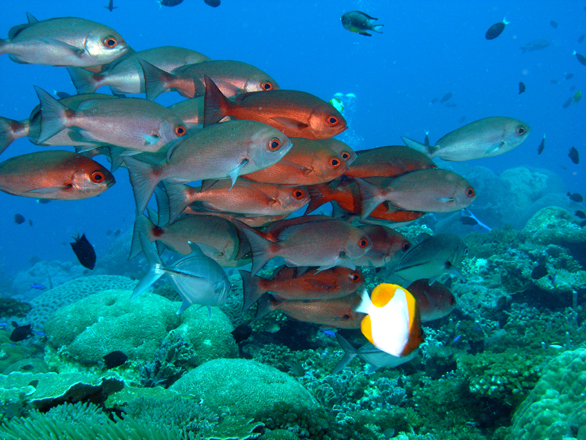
pixel 434 100
pixel 580 214
pixel 446 97
pixel 581 39
pixel 541 145
pixel 569 75
pixel 19 219
pixel 110 6
pixel 521 87
pixel 116 232
pixel 114 359
pixel 576 197
pixel 540 270
pixel 568 102
pixel 212 3
pixel 169 2
pixel 84 251
pixel 21 333
pixel 360 23
pixel 241 333
pixel 496 29
pixel 554 24
pixel 581 58
pixel 538 44
pixel 574 155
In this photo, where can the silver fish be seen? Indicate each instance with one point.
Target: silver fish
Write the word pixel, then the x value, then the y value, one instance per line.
pixel 483 138
pixel 63 41
pixel 370 354
pixel 196 277
pixel 431 257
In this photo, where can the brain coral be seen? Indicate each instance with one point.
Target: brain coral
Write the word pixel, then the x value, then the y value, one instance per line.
pixel 246 387
pixel 556 408
pixel 46 304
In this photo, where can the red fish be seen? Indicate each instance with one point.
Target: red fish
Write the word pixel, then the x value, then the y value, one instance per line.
pixel 55 175
pixel 323 243
pixel 308 162
pixel 286 284
pixel 388 162
pixel 295 113
pixel 434 302
pixel 342 148
pixel 388 246
pixel 337 312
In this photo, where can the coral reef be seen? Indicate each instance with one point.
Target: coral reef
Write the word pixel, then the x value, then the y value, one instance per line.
pixel 48 273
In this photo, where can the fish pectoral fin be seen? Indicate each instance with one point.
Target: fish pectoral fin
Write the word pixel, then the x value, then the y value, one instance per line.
pixel 236 172
pixel 151 139
pixel 445 199
pixel 129 152
pixel 289 122
pixel 49 190
pixel 78 52
pixel 366 34
pixel 495 147
pixel 179 272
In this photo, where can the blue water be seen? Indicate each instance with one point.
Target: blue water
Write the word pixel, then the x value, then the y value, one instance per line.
pixel 427 49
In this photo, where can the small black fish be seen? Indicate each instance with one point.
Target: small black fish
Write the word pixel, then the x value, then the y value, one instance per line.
pixel 169 2
pixel 30 222
pixel 539 271
pixel 110 6
pixel 114 359
pixel 496 29
pixel 469 221
pixel 446 97
pixel 19 219
pixel 21 333
pixel 521 87
pixel 541 145
pixel 569 75
pixel 581 58
pixel 84 251
pixel 554 24
pixel 580 214
pixel 434 100
pixel 212 3
pixel 574 155
pixel 360 23
pixel 241 333
pixel 568 102
pixel 581 39
pixel 116 232
pixel 576 197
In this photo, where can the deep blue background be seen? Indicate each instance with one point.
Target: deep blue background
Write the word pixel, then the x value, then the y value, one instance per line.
pixel 428 48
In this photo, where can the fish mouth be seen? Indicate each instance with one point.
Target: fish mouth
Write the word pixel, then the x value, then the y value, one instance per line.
pixel 110 183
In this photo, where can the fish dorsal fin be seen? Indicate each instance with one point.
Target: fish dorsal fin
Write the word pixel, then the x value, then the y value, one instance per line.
pixel 31 18
pixel 195 250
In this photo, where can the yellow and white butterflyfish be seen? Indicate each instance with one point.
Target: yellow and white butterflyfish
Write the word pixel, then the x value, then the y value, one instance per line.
pixel 393 322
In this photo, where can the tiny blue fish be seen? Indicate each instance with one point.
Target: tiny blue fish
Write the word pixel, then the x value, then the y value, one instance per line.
pixel 330 333
pixel 457 338
pixel 38 286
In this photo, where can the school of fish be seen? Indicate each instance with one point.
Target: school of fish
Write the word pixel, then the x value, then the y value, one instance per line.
pixel 260 153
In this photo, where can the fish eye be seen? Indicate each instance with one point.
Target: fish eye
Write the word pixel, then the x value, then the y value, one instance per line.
pixel 355 277
pixel 335 162
pixel 274 144
pixel 332 120
pixel 405 247
pixel 180 130
pixel 452 301
pixel 110 42
pixel 97 177
pixel 298 193
pixel 520 130
pixel 363 242
pixel 470 192
pixel 345 155
pixel 267 85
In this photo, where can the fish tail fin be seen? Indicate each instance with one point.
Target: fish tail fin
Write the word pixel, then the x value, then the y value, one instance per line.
pixel 216 105
pixel 116 157
pixel 154 273
pixel 143 181
pixel 243 244
pixel 3 44
pixel 266 305
pixel 378 28
pixel 156 81
pixel 142 225
pixel 263 250
pixel 371 196
pixel 319 195
pixel 428 150
pixel 53 115
pixel 252 289
pixel 10 130
pixel 162 200
pixel 178 199
pixel 85 81
pixel 349 353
